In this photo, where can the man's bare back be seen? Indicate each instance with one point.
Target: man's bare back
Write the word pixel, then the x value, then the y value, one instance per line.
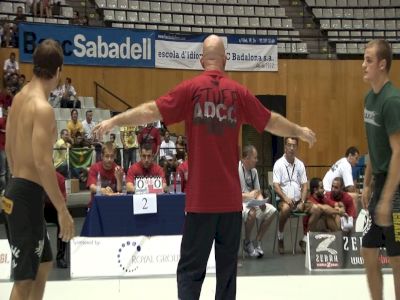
pixel 22 122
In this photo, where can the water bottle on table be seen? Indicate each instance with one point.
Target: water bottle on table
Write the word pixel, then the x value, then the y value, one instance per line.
pixel 171 183
pixel 98 184
pixel 178 183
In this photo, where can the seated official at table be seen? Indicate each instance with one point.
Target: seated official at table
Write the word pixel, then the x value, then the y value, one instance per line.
pixel 110 173
pixel 144 168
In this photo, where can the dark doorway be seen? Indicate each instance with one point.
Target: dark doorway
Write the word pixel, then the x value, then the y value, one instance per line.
pixel 269 147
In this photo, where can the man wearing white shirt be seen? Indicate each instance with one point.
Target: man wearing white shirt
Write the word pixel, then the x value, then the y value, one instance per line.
pixel 88 126
pixel 264 213
pixel 342 168
pixel 290 185
pixel 69 96
pixel 11 66
pixel 167 147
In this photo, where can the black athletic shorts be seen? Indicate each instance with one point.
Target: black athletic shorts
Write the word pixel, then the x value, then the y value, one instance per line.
pixel 23 207
pixel 377 236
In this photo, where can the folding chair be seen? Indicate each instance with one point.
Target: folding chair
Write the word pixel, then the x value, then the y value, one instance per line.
pixel 293 215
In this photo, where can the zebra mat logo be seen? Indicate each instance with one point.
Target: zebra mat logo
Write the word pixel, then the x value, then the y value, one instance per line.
pixel 126 254
pixel 326 256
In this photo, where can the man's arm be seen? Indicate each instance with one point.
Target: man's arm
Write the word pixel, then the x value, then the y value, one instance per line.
pixel 383 210
pixel 366 193
pixel 143 114
pixel 130 188
pixel 250 195
pixel 279 125
pixel 281 194
pixel 304 192
pixel 42 152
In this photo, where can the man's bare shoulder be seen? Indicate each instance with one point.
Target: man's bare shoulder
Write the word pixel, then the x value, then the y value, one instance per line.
pixel 42 109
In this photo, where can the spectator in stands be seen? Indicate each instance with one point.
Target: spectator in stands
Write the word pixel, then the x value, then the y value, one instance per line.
pixel 128 136
pixel 21 81
pixel 180 148
pixel 144 168
pixel 13 83
pixel 88 125
pixel 342 202
pixel 117 150
pixel 74 125
pixel 264 213
pixel 11 66
pixel 45 5
pixel 80 141
pixel 20 17
pixel 75 18
pixel 167 147
pixel 84 21
pixel 150 135
pixel 342 168
pixel 69 98
pixel 56 96
pixel 6 98
pixel 3 158
pixel 110 174
pixel 35 7
pixel 183 171
pixel 290 185
pixel 50 215
pixel 60 155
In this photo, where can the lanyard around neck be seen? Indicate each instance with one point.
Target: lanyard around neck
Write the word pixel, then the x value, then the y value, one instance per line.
pixel 290 176
pixel 251 177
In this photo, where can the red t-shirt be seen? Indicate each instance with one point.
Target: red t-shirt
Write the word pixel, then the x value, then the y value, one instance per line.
pixel 346 200
pixel 107 177
pixel 61 185
pixel 150 135
pixel 213 107
pixel 314 200
pixel 5 100
pixel 137 170
pixel 183 171
pixel 2 134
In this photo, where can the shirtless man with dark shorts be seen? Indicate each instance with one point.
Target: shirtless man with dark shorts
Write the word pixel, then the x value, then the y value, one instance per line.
pixel 31 131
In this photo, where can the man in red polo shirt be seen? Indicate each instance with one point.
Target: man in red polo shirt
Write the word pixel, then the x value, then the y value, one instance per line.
pixel 110 173
pixel 144 168
pixel 214 108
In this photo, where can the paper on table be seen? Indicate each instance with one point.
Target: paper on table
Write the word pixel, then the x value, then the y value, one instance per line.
pixel 255 202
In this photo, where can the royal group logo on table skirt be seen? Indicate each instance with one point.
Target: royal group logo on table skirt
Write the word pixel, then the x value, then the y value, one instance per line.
pixel 127 256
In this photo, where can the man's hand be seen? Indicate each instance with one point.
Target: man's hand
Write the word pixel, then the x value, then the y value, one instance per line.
pixel 67 228
pixel 253 194
pixel 383 214
pixel 107 191
pixel 102 128
pixel 118 173
pixel 366 196
pixel 307 135
pixel 290 202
